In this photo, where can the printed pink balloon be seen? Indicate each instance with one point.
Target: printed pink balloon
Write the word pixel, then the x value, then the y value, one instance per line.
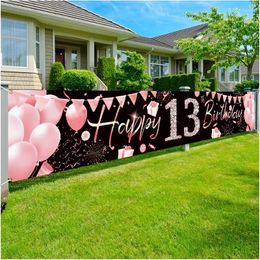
pixel 11 101
pixel 46 138
pixel 15 130
pixel 22 158
pixel 52 112
pixel 46 169
pixel 76 114
pixel 30 117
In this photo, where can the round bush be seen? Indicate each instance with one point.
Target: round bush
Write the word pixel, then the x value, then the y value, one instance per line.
pixel 56 73
pixel 79 80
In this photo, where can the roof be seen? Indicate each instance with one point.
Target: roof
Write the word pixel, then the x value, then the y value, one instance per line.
pixel 150 41
pixel 190 32
pixel 255 69
pixel 65 9
pixel 167 40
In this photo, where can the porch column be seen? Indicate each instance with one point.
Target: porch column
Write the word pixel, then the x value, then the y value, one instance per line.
pixel 201 68
pixel 91 55
pixel 189 65
pixel 114 51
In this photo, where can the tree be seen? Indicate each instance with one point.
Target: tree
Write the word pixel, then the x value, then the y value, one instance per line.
pixel 131 74
pixel 229 39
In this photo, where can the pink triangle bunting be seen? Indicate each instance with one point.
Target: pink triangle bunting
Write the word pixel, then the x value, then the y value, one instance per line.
pixel 239 99
pixel 224 97
pixel 235 99
pixel 144 94
pixel 229 98
pixel 121 100
pixel 93 103
pixel 133 97
pixel 207 93
pixel 219 96
pixel 213 93
pixel 108 102
pixel 154 93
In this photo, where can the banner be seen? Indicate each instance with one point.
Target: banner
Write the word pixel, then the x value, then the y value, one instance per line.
pixel 55 131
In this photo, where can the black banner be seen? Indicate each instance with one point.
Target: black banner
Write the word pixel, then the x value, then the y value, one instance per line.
pixel 100 126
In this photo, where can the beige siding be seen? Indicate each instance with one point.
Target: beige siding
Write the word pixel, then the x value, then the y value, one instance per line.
pixel 22 80
pixel 48 54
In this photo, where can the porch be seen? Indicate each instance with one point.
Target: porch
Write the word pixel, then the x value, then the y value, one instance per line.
pixel 76 53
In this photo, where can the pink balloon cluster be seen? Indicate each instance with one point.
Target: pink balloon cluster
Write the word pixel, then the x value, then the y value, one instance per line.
pixel 249 114
pixel 32 132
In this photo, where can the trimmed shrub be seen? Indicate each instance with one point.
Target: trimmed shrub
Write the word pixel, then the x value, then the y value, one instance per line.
pixel 56 73
pixel 106 72
pixel 79 80
pixel 247 84
pixel 173 82
pixel 213 84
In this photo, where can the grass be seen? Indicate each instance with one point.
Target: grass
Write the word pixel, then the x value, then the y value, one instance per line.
pixel 166 204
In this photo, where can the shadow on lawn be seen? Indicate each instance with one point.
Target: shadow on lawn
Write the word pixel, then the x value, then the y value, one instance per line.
pixel 19 185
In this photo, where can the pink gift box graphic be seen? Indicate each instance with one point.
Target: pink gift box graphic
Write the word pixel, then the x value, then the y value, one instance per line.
pixel 152 108
pixel 215 133
pixel 125 152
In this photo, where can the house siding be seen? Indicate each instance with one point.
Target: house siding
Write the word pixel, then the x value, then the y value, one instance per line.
pixel 22 80
pixel 48 54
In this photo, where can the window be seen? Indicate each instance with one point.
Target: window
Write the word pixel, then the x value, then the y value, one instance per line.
pixel 121 56
pixel 256 77
pixel 181 66
pixel 74 59
pixel 233 74
pixel 223 74
pixel 159 66
pixel 38 47
pixel 14 43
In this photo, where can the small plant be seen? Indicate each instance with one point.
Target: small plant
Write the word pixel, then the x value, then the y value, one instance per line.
pixel 79 80
pixel 247 84
pixel 56 73
pixel 131 74
pixel 205 85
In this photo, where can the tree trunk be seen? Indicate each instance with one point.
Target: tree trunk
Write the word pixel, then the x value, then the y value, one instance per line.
pixel 249 71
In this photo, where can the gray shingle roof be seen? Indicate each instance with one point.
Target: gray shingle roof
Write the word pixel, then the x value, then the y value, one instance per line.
pixel 150 41
pixel 190 32
pixel 66 9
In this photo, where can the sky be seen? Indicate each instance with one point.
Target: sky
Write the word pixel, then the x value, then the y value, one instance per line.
pixel 153 18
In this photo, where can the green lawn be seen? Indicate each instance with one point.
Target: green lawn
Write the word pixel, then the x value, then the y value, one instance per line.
pixel 166 204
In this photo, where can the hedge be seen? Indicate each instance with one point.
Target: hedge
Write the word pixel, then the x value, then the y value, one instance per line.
pixel 247 84
pixel 106 72
pixel 79 80
pixel 56 73
pixel 173 82
pixel 213 84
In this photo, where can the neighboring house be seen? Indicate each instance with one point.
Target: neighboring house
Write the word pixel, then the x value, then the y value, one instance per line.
pixel 255 71
pixel 37 33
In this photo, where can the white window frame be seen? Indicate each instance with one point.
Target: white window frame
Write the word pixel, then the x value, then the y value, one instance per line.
pixel 27 46
pixel 228 70
pixel 159 64
pixel 39 43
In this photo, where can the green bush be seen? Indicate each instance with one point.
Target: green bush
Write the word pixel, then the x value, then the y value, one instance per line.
pixel 56 73
pixel 247 84
pixel 213 84
pixel 174 82
pixel 79 80
pixel 106 72
pixel 131 74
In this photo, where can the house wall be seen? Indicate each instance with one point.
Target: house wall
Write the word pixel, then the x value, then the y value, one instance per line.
pixel 25 77
pixel 49 53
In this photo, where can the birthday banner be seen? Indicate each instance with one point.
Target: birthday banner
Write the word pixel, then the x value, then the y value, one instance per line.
pixel 57 130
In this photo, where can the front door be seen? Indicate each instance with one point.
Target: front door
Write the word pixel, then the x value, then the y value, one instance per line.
pixel 60 56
